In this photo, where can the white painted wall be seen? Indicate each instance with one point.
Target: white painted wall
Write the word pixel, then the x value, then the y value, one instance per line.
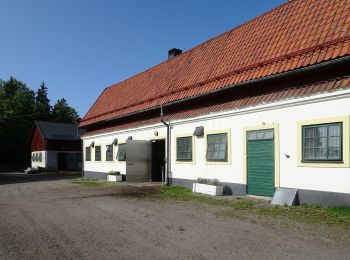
pixel 49 159
pixel 43 159
pixel 106 166
pixel 286 113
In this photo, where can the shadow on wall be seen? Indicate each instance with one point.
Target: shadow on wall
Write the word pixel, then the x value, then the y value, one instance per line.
pixel 227 190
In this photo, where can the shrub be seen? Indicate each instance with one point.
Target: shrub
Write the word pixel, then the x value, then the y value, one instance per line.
pixel 114 173
pixel 214 182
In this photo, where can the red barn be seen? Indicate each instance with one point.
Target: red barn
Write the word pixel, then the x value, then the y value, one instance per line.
pixel 55 146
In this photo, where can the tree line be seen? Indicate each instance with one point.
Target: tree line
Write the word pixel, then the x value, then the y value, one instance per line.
pixel 20 106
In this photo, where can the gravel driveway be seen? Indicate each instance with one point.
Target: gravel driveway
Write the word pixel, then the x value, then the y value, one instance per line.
pixel 51 218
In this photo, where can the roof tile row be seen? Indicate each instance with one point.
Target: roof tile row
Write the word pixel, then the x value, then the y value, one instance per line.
pixel 248 101
pixel 297 34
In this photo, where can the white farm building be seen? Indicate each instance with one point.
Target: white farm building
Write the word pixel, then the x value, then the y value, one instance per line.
pixel 265 105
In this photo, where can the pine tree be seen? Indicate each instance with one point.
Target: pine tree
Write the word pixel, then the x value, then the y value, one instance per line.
pixel 16 120
pixel 62 112
pixel 42 103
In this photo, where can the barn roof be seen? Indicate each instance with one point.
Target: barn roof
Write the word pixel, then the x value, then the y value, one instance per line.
pixel 58 131
pixel 296 34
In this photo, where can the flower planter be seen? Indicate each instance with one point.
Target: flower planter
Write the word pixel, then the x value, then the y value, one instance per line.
pixel 114 177
pixel 208 189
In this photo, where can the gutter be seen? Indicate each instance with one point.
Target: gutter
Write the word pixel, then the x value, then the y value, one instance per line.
pixel 168 143
pixel 309 69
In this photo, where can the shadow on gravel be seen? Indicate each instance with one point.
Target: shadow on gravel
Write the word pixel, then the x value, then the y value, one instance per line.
pixel 123 191
pixel 11 178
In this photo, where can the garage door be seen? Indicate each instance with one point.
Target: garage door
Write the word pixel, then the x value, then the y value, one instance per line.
pixel 260 163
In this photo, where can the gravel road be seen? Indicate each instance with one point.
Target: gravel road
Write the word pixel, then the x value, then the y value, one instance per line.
pixel 51 218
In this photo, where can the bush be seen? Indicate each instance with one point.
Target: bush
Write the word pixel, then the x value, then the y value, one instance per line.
pixel 114 173
pixel 214 182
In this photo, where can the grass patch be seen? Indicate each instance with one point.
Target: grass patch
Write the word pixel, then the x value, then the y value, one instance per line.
pixel 184 194
pixel 340 211
pixel 310 214
pixel 95 183
pixel 252 209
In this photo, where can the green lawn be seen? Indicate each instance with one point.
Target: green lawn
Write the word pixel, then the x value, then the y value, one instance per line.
pixel 240 207
pixel 246 206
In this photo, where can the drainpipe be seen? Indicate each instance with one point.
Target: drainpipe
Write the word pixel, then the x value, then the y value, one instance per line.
pixel 168 134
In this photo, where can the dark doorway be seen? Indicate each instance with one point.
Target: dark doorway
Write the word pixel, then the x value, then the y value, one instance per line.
pixel 69 161
pixel 61 162
pixel 158 160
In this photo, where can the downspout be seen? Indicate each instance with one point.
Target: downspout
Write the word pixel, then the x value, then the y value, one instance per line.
pixel 168 134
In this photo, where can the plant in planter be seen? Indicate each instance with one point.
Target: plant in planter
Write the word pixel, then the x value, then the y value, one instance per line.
pixel 114 176
pixel 208 186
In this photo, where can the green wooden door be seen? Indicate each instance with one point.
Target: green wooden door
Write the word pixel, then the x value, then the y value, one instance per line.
pixel 260 163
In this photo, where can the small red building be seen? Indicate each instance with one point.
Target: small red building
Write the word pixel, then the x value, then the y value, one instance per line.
pixel 56 146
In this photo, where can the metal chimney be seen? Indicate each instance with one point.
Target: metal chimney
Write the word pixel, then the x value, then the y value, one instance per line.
pixel 173 52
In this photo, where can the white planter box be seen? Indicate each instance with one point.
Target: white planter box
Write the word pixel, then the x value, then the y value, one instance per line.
pixel 208 189
pixel 114 177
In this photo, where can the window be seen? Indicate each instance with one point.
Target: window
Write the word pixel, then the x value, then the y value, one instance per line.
pixel 184 148
pixel 217 147
pixel 109 152
pixel 87 153
pixel 121 152
pixel 98 153
pixel 40 157
pixel 322 142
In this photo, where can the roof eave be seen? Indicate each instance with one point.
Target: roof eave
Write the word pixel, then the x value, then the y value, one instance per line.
pixel 308 69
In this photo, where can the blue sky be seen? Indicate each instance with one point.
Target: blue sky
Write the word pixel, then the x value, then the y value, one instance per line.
pixel 79 47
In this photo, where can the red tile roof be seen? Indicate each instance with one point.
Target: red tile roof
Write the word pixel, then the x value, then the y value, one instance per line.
pixel 294 35
pixel 242 102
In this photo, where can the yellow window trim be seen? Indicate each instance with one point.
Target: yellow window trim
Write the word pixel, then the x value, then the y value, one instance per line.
pixel 85 161
pixel 221 131
pixel 193 161
pixel 275 127
pixel 105 156
pixel 95 153
pixel 346 158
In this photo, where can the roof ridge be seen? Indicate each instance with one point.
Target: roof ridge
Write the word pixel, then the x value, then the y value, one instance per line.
pixel 203 43
pixel 233 72
pixel 53 122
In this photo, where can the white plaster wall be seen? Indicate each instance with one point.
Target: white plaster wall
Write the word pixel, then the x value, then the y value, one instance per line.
pixel 286 113
pixel 106 166
pixel 51 159
pixel 43 159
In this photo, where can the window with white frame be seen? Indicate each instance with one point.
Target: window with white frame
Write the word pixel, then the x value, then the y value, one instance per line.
pixel 217 147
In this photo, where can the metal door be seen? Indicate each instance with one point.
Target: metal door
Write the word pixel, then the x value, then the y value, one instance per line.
pixel 261 163
pixel 138 160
